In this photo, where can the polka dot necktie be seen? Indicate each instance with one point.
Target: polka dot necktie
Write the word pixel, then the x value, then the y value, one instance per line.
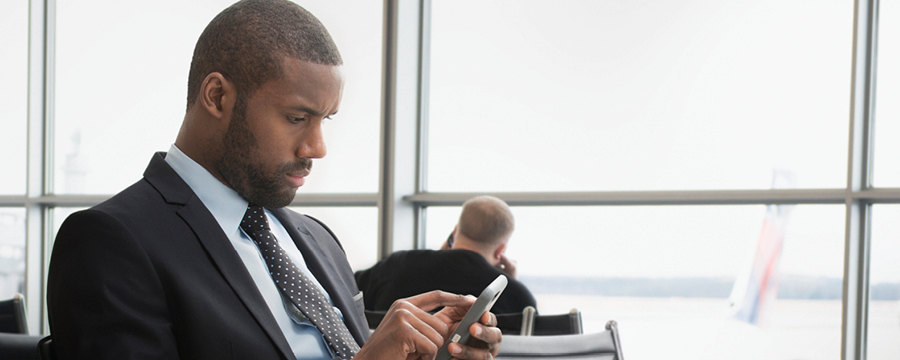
pixel 296 285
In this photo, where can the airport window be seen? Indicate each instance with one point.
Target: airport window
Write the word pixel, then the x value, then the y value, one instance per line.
pixel 884 284
pixel 94 113
pixel 647 136
pixel 13 94
pixel 887 111
pixel 12 252
pixel 658 268
pixel 108 111
pixel 637 95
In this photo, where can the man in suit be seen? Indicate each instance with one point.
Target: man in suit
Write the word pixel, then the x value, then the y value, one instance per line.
pixel 472 257
pixel 176 265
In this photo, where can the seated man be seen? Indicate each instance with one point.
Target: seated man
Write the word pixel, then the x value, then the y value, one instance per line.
pixel 474 259
pixel 200 259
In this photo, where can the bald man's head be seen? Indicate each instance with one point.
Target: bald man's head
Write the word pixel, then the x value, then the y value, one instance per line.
pixel 486 220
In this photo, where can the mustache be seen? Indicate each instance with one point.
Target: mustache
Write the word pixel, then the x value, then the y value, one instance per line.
pixel 303 164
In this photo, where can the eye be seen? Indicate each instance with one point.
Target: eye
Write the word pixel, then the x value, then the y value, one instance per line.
pixel 295 120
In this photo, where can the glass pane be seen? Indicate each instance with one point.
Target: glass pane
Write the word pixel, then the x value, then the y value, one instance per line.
pixel 355 227
pixel 99 126
pixel 12 252
pixel 887 110
pixel 13 94
pixel 884 284
pixel 666 273
pixel 353 134
pixel 638 95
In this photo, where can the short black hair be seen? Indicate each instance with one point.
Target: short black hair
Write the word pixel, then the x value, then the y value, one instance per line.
pixel 248 41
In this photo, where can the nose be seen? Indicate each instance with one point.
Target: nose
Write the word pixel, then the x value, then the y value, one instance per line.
pixel 312 142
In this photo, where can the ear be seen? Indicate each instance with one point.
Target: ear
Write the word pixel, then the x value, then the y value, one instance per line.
pixel 217 95
pixel 499 251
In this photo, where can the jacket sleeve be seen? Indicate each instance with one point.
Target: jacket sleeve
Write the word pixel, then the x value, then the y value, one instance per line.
pixel 104 298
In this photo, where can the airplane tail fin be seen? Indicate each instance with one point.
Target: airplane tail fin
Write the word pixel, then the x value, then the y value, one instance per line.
pixel 759 284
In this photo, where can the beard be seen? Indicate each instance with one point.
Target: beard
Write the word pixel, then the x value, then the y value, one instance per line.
pixel 245 171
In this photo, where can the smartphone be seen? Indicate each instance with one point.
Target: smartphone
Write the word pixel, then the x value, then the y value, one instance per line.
pixel 484 303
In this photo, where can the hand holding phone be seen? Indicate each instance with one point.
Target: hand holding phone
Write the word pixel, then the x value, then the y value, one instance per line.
pixel 484 303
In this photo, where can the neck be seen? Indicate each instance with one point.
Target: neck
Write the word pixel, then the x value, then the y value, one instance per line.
pixel 487 254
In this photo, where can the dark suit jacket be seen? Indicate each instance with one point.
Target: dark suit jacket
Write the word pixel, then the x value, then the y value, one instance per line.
pixel 407 273
pixel 149 274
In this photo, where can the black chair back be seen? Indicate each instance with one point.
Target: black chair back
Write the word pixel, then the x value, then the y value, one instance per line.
pixel 598 346
pixel 529 323
pixel 12 316
pixel 19 347
pixel 510 324
pixel 558 324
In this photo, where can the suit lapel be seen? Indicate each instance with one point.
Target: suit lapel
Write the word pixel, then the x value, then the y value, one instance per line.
pixel 217 245
pixel 324 267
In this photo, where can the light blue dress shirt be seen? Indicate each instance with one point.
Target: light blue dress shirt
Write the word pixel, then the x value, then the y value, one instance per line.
pixel 228 208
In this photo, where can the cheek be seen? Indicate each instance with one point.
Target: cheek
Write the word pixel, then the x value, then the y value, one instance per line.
pixel 279 148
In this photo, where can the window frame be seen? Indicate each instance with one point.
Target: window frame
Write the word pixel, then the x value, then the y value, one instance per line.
pixel 403 195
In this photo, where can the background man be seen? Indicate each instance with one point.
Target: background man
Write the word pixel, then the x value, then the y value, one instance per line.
pixel 473 260
pixel 199 259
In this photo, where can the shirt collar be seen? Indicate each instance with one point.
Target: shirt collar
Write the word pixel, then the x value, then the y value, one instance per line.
pixel 224 203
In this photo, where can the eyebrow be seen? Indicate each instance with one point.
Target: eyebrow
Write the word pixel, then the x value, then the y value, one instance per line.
pixel 310 111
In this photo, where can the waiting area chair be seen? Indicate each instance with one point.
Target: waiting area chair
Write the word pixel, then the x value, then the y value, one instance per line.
pixel 12 316
pixel 528 323
pixel 15 343
pixel 19 347
pixel 597 346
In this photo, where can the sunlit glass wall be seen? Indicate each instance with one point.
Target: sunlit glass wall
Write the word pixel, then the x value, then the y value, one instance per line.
pixel 14 105
pixel 672 275
pixel 121 95
pixel 638 95
pixel 887 109
pixel 647 95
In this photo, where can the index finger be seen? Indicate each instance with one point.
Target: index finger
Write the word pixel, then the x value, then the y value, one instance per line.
pixel 434 299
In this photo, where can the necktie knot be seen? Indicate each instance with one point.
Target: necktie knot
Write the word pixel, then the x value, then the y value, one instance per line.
pixel 254 220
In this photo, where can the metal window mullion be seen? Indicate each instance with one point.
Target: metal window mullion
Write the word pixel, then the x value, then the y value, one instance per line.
pixel 859 179
pixel 39 156
pixel 421 172
pixel 400 109
pixel 669 197
pixel 385 219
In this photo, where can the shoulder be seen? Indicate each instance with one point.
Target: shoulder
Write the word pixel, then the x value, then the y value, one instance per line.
pixel 406 258
pixel 397 262
pixel 307 220
pixel 321 233
pixel 94 223
pixel 412 254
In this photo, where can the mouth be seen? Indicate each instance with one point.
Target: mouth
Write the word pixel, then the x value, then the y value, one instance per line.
pixel 298 178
